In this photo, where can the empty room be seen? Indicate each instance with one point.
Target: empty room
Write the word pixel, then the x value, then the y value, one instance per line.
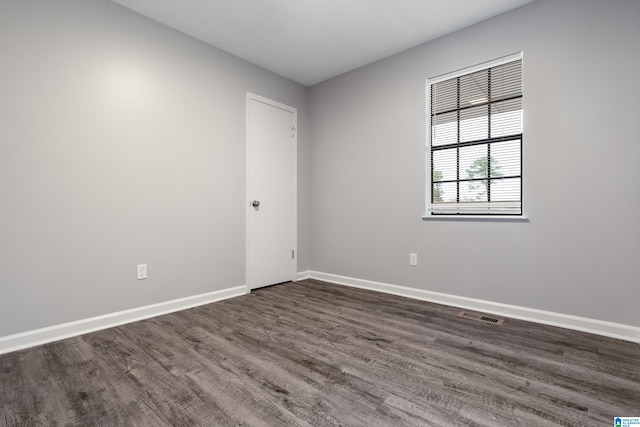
pixel 444 231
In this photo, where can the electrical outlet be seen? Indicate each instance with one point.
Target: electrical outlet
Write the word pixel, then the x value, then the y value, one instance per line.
pixel 142 271
pixel 413 259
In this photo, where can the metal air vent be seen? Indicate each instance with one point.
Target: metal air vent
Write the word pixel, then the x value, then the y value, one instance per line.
pixel 481 317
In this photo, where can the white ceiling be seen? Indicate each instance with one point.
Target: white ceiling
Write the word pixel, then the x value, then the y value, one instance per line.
pixel 310 41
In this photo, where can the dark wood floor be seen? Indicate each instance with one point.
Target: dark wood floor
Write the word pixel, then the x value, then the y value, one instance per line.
pixel 316 354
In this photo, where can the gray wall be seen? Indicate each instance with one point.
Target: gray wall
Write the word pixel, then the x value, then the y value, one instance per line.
pixel 579 253
pixel 121 142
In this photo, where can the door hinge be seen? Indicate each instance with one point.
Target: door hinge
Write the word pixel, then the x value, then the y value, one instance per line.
pixel 293 254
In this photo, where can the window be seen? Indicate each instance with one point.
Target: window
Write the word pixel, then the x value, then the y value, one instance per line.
pixel 475 143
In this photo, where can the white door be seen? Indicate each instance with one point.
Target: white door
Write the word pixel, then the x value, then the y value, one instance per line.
pixel 271 190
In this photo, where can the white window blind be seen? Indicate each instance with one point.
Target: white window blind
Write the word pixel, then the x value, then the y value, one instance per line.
pixel 476 140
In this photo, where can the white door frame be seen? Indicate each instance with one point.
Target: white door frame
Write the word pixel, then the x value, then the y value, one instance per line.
pixel 254 97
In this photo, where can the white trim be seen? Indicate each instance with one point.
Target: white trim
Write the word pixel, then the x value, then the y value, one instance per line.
pixel 49 334
pixel 515 218
pixel 62 331
pixel 474 68
pixel 294 112
pixel 567 321
pixel 301 275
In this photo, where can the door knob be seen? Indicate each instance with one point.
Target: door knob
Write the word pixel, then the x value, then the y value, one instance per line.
pixel 255 204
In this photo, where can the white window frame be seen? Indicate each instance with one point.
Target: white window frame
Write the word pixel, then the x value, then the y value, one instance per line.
pixel 428 184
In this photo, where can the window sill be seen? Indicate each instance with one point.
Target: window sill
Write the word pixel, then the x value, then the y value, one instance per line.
pixel 489 218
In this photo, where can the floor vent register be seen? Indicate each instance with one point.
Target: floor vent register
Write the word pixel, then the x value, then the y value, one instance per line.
pixel 481 317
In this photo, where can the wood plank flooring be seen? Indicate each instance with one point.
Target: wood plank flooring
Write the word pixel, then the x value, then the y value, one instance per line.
pixel 316 354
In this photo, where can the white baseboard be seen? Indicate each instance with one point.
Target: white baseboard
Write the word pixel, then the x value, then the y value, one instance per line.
pixel 301 275
pixel 35 337
pixel 567 321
